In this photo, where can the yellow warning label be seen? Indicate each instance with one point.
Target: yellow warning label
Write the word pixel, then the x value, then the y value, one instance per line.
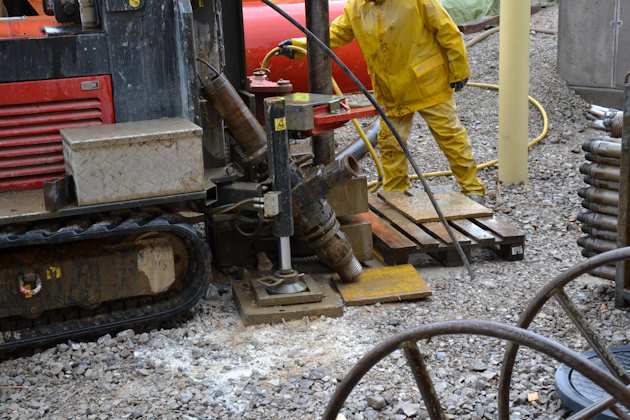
pixel 134 3
pixel 53 273
pixel 281 124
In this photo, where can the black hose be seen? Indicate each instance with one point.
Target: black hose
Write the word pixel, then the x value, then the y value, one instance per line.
pixel 312 39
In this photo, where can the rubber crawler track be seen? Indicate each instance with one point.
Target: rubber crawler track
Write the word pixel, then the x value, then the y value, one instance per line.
pixel 77 323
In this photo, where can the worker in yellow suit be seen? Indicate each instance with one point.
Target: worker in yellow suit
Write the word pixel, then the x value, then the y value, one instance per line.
pixel 416 59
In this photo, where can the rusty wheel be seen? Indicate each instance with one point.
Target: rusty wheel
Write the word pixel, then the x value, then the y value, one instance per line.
pixel 407 342
pixel 555 289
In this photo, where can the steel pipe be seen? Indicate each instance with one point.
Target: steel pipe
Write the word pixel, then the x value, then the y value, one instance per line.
pixel 599 234
pixel 608 273
pixel 603 172
pixel 320 72
pixel 600 221
pixel 592 157
pixel 602 147
pixel 605 185
pixel 600 208
pixel 599 245
pixel 358 149
pixel 596 195
pixel 516 337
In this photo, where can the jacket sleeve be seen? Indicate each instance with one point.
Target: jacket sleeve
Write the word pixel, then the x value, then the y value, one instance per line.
pixel 448 36
pixel 341 33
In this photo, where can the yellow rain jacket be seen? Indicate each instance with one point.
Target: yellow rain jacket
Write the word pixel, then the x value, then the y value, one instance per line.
pixel 413 50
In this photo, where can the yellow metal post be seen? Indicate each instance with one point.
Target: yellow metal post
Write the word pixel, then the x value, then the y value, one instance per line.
pixel 514 86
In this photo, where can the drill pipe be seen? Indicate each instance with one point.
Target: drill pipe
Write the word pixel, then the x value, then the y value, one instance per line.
pixel 599 233
pixel 600 208
pixel 241 123
pixel 603 172
pixel 600 221
pixel 606 272
pixel 595 195
pixel 597 245
pixel 592 157
pixel 605 185
pixel 314 218
pixel 603 147
pixel 316 223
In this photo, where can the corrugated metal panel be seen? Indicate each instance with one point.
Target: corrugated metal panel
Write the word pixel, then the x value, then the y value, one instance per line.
pixel 31 117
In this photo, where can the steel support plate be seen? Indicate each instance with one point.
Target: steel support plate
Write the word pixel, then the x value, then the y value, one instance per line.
pixel 252 314
pixel 386 284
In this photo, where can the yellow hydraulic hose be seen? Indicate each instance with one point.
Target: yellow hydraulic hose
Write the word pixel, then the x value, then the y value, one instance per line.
pixel 375 185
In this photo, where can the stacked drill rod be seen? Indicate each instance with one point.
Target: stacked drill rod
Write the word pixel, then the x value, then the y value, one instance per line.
pixel 600 199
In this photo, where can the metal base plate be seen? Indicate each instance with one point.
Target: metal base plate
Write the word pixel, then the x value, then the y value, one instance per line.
pixel 577 392
pixel 386 284
pixel 311 295
pixel 253 314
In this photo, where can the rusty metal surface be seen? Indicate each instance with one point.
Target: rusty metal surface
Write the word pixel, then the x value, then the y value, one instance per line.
pixel 415 361
pixel 516 336
pixel 419 209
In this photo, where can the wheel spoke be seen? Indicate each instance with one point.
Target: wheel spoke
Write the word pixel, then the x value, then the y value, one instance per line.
pixel 593 340
pixel 415 360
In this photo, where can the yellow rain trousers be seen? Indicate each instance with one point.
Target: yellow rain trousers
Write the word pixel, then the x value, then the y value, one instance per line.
pixel 451 137
pixel 414 51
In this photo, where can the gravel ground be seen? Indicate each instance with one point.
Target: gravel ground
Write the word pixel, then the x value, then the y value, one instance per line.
pixel 212 367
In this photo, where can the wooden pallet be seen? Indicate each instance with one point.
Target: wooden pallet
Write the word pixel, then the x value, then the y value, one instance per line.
pixel 397 238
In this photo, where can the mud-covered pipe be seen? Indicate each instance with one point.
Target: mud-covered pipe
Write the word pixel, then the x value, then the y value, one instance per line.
pixel 605 185
pixel 324 178
pixel 316 222
pixel 600 208
pixel 603 147
pixel 603 172
pixel 607 273
pixel 599 234
pixel 240 121
pixel 600 221
pixel 592 157
pixel 597 245
pixel 358 149
pixel 610 198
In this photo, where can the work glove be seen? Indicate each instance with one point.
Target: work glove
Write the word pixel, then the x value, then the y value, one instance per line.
pixel 458 86
pixel 287 52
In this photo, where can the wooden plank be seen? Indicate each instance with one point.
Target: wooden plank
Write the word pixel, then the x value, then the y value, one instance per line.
pixel 419 209
pixel 498 225
pixel 391 244
pixel 438 230
pixel 480 235
pixel 413 231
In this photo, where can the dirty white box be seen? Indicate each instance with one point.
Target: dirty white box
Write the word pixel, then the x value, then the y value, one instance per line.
pixel 130 161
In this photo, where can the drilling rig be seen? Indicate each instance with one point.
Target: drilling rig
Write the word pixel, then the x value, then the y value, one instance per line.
pixel 131 152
